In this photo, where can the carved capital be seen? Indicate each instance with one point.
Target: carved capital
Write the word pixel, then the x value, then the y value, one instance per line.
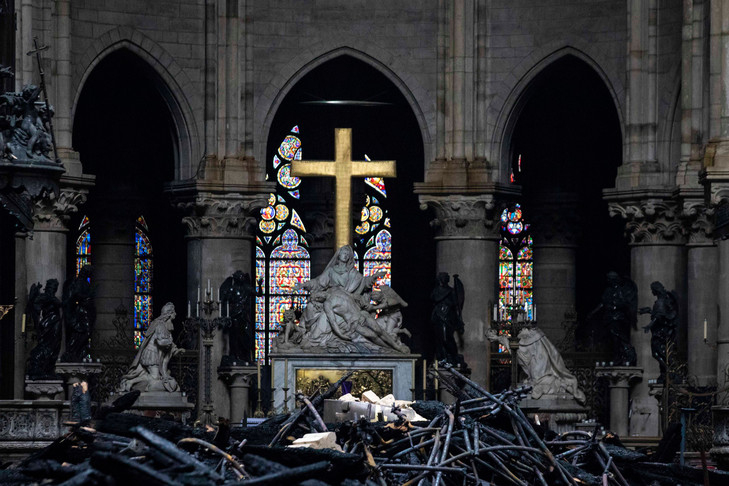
pixel 554 224
pixel 650 221
pixel 52 212
pixel 619 376
pixel 319 227
pixel 460 216
pixel 221 216
pixel 698 221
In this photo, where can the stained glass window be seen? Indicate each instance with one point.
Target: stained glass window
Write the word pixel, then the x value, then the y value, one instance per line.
pixel 372 238
pixel 281 257
pixel 515 265
pixel 143 274
pixel 83 244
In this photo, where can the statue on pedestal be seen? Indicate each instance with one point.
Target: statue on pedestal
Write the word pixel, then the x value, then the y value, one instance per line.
pixel 339 316
pixel 663 324
pixel 446 317
pixel 619 307
pixel 544 367
pixel 148 371
pixel 23 134
pixel 79 315
pixel 45 311
pixel 237 296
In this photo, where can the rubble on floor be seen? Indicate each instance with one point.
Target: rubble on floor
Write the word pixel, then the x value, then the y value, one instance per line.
pixel 483 439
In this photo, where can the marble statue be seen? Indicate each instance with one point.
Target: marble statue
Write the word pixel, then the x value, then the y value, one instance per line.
pixel 619 307
pixel 149 370
pixel 79 315
pixel 389 305
pixel 446 317
pixel 291 333
pixel 663 324
pixel 544 367
pixel 340 316
pixel 23 134
pixel 237 296
pixel 45 311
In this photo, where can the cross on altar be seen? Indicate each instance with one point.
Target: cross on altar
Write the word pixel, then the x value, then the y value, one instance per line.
pixel 343 168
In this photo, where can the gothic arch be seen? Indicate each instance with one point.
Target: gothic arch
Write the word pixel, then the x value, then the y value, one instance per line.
pixel 171 83
pixel 277 90
pixel 516 94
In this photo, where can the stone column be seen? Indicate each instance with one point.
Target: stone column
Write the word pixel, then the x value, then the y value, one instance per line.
pixel 619 379
pixel 44 255
pixel 220 230
pixel 239 380
pixel 656 238
pixel 467 245
pixel 553 228
pixel 702 284
pixel 46 250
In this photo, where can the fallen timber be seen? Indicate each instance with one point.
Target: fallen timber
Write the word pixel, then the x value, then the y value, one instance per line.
pixel 482 439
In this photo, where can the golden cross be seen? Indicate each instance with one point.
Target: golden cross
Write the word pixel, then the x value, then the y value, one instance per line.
pixel 343 168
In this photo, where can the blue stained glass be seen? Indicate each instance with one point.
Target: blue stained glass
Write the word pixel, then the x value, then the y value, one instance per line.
pixel 83 249
pixel 143 277
pixel 295 194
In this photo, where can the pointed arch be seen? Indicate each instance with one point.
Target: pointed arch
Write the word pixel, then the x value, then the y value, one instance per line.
pixel 299 67
pixel 518 94
pixel 171 82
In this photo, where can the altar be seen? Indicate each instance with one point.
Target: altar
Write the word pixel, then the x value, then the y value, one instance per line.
pixel 288 367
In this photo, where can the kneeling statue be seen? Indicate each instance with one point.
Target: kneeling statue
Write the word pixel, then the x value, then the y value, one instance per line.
pixel 148 371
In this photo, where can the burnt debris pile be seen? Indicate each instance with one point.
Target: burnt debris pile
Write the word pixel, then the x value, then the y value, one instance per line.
pixel 482 439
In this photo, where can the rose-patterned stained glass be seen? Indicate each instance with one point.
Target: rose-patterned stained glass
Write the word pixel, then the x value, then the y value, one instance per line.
pixel 516 279
pixel 143 276
pixel 83 246
pixel 281 259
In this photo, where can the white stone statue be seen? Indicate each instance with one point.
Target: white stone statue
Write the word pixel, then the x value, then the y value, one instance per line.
pixel 339 315
pixel 544 367
pixel 148 371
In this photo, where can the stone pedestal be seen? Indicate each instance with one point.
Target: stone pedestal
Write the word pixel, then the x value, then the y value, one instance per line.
pixel 619 378
pixel 43 389
pixel 558 413
pixel 720 450
pixel 239 380
pixel 76 373
pixel 285 366
pixel 158 403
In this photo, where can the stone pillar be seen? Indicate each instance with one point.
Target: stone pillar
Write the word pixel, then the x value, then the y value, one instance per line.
pixel 553 227
pixel 702 292
pixel 657 254
pixel 239 380
pixel 619 378
pixel 467 245
pixel 320 236
pixel 220 230
pixel 112 260
pixel 46 251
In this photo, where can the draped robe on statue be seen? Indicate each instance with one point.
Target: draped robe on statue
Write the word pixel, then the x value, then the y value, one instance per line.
pixel 335 317
pixel 544 367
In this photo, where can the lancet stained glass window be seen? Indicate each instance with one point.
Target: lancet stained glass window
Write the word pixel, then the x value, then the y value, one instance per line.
pixel 143 273
pixel 515 265
pixel 83 244
pixel 373 237
pixel 282 260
